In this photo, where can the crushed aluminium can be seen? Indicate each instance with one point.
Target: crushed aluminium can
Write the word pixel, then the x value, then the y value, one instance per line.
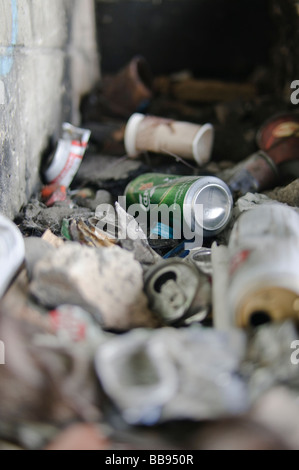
pixel 66 160
pixel 187 196
pixel 177 291
pixel 264 266
pixel 202 259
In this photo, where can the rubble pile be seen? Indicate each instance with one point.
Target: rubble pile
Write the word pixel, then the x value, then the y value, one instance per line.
pixel 123 329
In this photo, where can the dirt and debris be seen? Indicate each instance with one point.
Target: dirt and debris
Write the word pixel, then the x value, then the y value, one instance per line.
pixel 287 195
pixel 92 359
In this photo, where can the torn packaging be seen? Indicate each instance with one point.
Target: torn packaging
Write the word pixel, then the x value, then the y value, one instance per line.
pixel 135 240
pixel 151 375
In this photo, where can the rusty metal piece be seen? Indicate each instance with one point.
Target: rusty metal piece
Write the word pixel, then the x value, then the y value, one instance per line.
pixel 210 91
pixel 279 138
pixel 257 173
pixel 130 88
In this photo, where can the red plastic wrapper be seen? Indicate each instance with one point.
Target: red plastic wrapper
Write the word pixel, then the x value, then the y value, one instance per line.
pixel 53 193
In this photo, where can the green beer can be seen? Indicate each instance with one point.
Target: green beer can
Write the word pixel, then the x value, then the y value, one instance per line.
pixel 200 202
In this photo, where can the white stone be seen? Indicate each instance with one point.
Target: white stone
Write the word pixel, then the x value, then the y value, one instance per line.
pixel 106 282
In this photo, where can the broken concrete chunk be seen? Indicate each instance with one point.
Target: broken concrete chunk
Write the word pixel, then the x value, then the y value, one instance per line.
pixel 107 283
pixel 287 195
pixel 35 250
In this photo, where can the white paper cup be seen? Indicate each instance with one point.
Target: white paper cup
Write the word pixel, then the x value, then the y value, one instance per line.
pixel 154 134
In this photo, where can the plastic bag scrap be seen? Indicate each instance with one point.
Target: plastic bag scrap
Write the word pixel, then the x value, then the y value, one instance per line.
pixel 268 359
pixel 168 374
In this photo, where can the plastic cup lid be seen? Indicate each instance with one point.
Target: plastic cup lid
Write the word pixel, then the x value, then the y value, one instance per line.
pixel 131 133
pixel 203 144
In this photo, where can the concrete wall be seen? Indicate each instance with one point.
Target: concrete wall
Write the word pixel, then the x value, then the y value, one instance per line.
pixel 48 59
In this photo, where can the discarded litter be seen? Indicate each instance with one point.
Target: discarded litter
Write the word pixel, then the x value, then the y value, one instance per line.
pixel 130 89
pixel 169 374
pixel 256 174
pixel 263 267
pixel 267 363
pixel 187 88
pixel 278 140
pixel 160 135
pixel 121 94
pixel 86 233
pixel 72 323
pixel 176 291
pixel 53 193
pixel 62 167
pixel 279 137
pixel 134 239
pixel 202 259
pixel 145 291
pixel 203 205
